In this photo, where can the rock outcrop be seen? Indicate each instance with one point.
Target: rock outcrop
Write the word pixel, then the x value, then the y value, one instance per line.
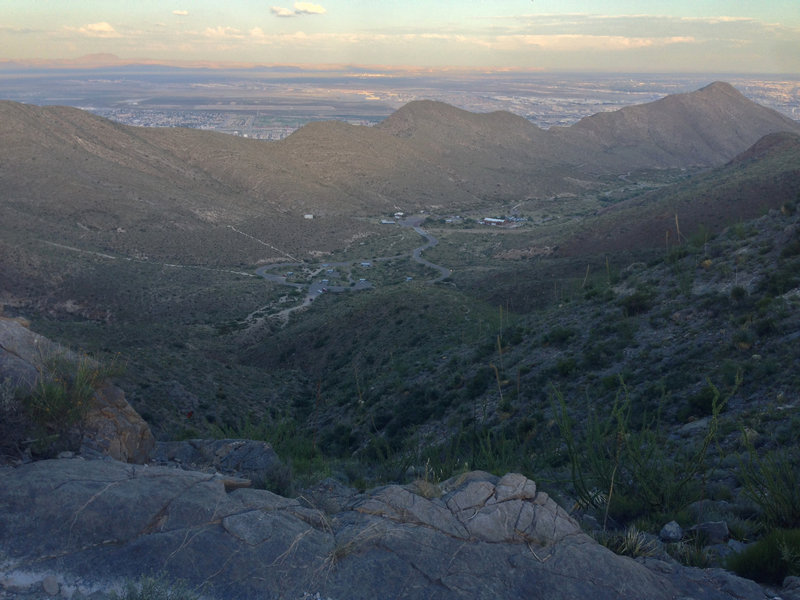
pixel 89 524
pixel 253 460
pixel 111 426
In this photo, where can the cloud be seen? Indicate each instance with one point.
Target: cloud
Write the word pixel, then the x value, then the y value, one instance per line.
pixel 280 11
pixel 223 33
pixel 308 8
pixel 582 42
pixel 300 8
pixel 18 30
pixel 181 13
pixel 722 19
pixel 99 30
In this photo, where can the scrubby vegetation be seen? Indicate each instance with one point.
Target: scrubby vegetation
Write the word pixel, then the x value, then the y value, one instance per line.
pixel 157 587
pixel 46 418
pixel 771 558
pixel 631 386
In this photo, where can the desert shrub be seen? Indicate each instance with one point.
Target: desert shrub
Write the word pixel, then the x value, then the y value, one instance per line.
pixel 738 293
pixel 155 588
pixel 559 335
pixel 565 366
pixel 630 542
pixel 637 303
pixel 772 481
pixel 60 400
pixel 781 280
pixel 700 404
pixel 770 559
pixel 743 339
pixel 13 421
pixel 691 553
pixel 792 248
pixel 638 471
pixel 700 236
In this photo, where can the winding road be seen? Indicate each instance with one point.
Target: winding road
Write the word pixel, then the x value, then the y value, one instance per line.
pixel 318 287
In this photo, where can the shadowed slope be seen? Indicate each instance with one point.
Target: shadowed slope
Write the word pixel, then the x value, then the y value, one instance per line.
pixel 764 177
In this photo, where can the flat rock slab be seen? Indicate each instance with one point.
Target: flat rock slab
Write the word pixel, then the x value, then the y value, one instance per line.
pixel 91 524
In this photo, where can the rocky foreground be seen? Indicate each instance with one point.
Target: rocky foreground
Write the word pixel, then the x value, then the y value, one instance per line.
pixel 78 527
pixel 84 524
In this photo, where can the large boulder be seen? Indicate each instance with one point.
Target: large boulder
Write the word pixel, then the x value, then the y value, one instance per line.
pixel 111 426
pixel 249 459
pixel 23 353
pixel 89 524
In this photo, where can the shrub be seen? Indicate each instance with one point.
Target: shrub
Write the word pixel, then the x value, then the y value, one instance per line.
pixel 13 422
pixel 559 335
pixel 565 366
pixel 701 404
pixel 631 542
pixel 155 588
pixel 638 471
pixel 60 401
pixel 770 559
pixel 773 483
pixel 738 293
pixel 690 553
pixel 637 303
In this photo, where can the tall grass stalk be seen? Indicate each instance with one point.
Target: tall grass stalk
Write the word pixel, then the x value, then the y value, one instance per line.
pixel 632 472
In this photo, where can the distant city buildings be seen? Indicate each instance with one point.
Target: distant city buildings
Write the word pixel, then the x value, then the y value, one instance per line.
pixel 546 102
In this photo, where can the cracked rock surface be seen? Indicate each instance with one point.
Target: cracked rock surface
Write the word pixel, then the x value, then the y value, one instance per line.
pixel 88 524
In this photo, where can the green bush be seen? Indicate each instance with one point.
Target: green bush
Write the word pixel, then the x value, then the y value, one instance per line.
pixel 630 542
pixel 772 481
pixel 691 553
pixel 637 303
pixel 738 293
pixel 700 404
pixel 61 399
pixel 770 559
pixel 632 472
pixel 559 335
pixel 155 588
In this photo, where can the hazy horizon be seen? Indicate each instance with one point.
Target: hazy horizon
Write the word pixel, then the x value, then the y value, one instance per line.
pixel 710 36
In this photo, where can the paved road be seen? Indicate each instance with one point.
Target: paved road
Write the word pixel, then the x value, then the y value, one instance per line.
pixel 417 255
pixel 318 287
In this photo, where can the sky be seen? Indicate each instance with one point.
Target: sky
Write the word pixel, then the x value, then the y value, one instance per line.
pixel 736 36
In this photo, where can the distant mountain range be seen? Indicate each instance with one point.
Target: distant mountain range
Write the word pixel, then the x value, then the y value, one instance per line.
pixel 174 193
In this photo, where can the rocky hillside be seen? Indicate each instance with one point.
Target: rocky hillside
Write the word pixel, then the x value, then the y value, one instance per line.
pixel 83 526
pixel 764 176
pixel 643 331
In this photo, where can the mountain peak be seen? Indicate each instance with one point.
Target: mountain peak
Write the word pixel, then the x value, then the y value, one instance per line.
pixel 719 86
pixel 703 127
pixel 437 120
pixel 409 118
